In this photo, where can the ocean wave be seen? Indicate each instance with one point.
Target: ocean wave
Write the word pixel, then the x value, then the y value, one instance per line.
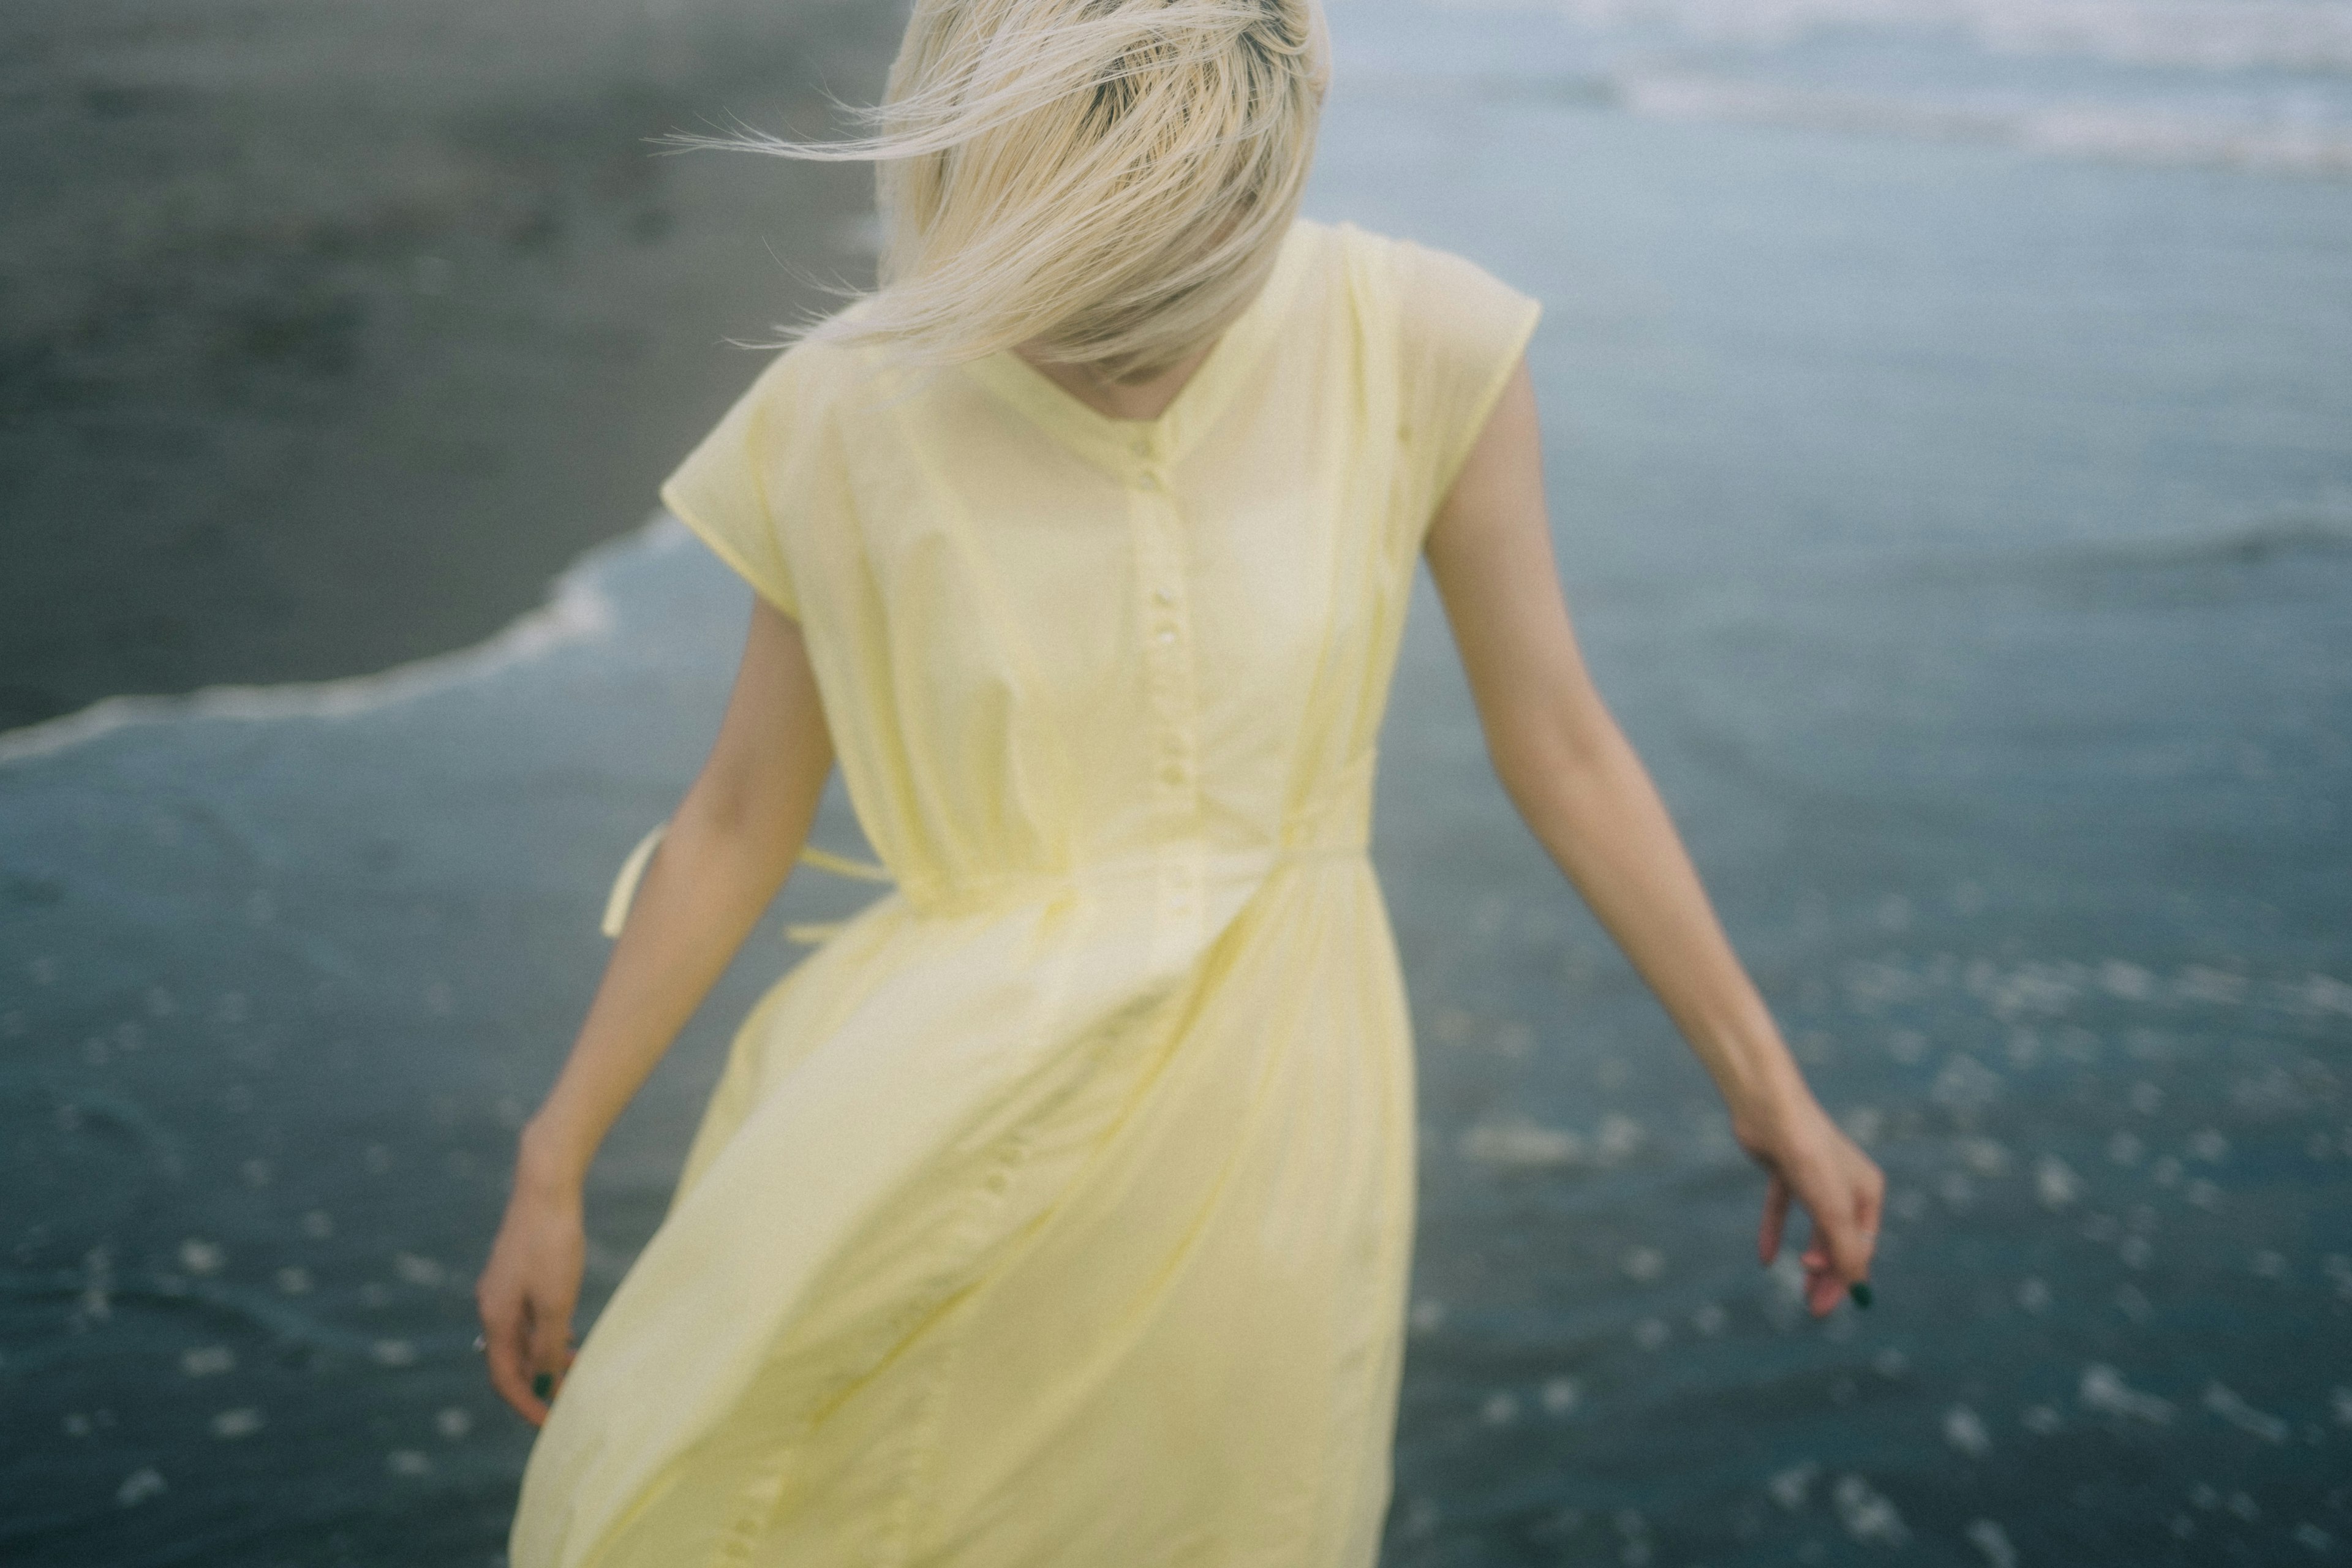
pixel 2252 544
pixel 2086 130
pixel 577 609
pixel 2075 130
pixel 2113 131
pixel 2204 35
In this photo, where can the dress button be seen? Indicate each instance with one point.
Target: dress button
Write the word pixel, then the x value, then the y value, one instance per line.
pixel 1162 597
pixel 1146 482
pixel 1166 635
pixel 1174 773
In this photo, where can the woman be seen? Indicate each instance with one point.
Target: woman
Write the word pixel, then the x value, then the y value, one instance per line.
pixel 1058 1210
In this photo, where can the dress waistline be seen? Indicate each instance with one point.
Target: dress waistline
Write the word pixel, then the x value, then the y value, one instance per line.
pixel 1181 861
pixel 1335 826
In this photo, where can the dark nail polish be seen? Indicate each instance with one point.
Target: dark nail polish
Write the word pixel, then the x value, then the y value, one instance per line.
pixel 542 1386
pixel 1860 1292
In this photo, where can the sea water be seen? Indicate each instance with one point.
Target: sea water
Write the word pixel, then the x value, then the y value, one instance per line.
pixel 1956 509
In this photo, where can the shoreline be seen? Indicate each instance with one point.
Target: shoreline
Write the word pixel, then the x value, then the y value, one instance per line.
pixel 331 338
pixel 574 609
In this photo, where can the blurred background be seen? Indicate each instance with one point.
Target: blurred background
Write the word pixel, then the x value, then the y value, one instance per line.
pixel 1948 409
pixel 332 332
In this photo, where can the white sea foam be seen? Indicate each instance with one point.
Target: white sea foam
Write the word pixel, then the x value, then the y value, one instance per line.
pixel 2203 34
pixel 1789 1486
pixel 242 1422
pixel 2055 1183
pixel 415 1271
pixel 1964 1429
pixel 1512 1141
pixel 2102 1389
pixel 2233 1408
pixel 576 610
pixel 1988 1537
pixel 2252 84
pixel 1516 1143
pixel 2118 132
pixel 1866 1514
pixel 207 1360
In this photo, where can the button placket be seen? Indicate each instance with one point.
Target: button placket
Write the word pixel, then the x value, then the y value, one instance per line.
pixel 1170 695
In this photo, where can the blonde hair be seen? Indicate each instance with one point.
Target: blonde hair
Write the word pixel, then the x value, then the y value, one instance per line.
pixel 1109 180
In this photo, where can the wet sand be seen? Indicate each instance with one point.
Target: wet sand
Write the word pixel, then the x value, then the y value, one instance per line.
pixel 329 333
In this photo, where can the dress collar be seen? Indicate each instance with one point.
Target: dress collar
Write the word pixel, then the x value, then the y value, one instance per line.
pixel 1125 444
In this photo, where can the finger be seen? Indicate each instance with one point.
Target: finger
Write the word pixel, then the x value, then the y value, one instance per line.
pixel 551 1343
pixel 525 1397
pixel 503 1348
pixel 1833 1201
pixel 1871 1209
pixel 1837 1232
pixel 1824 1287
pixel 1776 1218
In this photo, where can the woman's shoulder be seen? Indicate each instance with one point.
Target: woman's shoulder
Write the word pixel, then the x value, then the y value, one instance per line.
pixel 1411 268
pixel 808 368
pixel 783 413
pixel 1426 295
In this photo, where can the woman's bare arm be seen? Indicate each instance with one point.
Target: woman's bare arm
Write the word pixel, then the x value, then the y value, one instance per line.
pixel 1579 785
pixel 729 847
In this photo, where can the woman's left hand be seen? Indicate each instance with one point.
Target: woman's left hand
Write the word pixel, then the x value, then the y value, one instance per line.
pixel 1808 1157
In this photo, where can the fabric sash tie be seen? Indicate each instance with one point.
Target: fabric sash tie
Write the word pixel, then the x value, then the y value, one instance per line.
pixel 805 933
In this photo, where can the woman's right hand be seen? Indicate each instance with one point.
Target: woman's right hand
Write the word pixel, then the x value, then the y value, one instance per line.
pixel 526 1294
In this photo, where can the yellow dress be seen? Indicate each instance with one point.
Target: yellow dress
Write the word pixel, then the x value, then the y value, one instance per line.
pixel 1056 1212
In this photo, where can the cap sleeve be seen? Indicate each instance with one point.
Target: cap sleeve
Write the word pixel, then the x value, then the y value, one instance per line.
pixel 722 490
pixel 1461 331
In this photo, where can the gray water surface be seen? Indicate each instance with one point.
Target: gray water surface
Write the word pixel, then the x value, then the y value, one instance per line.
pixel 1963 531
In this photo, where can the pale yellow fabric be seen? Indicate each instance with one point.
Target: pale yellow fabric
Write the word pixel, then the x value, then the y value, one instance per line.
pixel 1056 1213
